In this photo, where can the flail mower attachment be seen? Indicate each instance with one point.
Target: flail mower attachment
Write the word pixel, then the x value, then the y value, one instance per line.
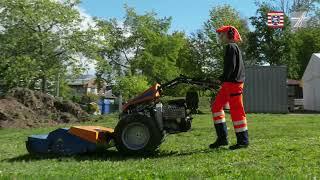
pixel 143 123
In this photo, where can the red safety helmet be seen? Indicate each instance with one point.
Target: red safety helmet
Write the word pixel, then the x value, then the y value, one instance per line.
pixel 232 32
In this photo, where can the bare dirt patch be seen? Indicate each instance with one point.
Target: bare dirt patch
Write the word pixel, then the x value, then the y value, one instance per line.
pixel 22 108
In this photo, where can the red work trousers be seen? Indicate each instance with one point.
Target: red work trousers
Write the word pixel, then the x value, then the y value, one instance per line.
pixel 232 93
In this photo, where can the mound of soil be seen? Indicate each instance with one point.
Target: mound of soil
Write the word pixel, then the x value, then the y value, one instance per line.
pixel 26 108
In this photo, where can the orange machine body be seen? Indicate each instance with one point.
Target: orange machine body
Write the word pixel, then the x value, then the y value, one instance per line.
pixel 147 96
pixel 94 134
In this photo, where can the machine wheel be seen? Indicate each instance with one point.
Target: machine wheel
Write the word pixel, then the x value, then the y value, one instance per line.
pixel 185 125
pixel 137 134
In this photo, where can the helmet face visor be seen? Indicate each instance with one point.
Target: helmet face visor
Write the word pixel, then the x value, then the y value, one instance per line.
pixel 221 37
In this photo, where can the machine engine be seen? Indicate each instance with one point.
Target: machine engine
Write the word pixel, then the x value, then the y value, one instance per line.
pixel 145 119
pixel 174 116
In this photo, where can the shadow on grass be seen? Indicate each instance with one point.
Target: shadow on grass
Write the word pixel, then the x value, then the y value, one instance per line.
pixel 108 155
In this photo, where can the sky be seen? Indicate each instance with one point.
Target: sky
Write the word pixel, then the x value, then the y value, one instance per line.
pixel 188 15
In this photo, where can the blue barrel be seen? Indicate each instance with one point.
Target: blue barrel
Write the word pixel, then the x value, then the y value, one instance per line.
pixel 101 105
pixel 107 104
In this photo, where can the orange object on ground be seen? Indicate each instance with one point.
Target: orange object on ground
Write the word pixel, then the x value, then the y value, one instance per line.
pixel 147 96
pixel 94 134
pixel 232 93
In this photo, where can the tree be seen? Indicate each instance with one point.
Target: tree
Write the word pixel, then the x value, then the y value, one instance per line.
pixel 225 15
pixel 123 42
pixel 314 21
pixel 304 5
pixel 155 50
pixel 130 86
pixel 307 41
pixel 197 59
pixel 271 46
pixel 40 39
pixel 311 7
pixel 204 56
pixel 159 57
pixel 289 6
pixel 103 74
pixel 141 45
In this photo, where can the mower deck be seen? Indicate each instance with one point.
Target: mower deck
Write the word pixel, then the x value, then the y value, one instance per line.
pixel 70 141
pixel 143 123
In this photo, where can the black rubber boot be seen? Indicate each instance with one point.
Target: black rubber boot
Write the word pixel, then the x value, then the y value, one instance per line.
pixel 222 134
pixel 242 141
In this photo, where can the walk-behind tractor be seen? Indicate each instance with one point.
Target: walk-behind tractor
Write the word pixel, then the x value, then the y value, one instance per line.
pixel 142 126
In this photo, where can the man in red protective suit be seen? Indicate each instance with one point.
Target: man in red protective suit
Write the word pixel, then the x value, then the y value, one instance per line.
pixel 231 92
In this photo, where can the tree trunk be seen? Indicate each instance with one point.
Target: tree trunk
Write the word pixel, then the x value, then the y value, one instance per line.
pixel 44 84
pixel 120 102
pixel 58 85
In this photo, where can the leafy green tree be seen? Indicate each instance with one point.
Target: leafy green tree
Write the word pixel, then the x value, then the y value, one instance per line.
pixel 130 86
pixel 203 55
pixel 221 16
pixel 113 47
pixel 304 5
pixel 307 42
pixel 271 46
pixel 225 15
pixel 197 59
pixel 159 58
pixel 40 39
pixel 314 21
pixel 284 46
pixel 126 46
pixel 123 42
pixel 140 45
pixel 155 50
pixel 103 73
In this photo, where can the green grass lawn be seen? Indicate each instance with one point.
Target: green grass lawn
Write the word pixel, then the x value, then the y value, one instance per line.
pixel 282 147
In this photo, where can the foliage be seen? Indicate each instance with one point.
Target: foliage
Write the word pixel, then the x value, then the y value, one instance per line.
pixel 65 91
pixel 39 40
pixel 284 46
pixel 130 86
pixel 225 15
pixel 196 58
pixel 103 73
pixel 140 45
pixel 314 21
pixel 42 43
pixel 86 98
pixel 267 44
pixel 271 46
pixel 304 5
pixel 307 42
pixel 220 16
pixel 140 49
pixel 91 97
pixel 159 57
pixel 202 55
pixel 92 108
pixel 311 7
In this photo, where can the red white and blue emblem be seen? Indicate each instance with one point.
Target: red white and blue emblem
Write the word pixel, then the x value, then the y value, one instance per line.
pixel 276 19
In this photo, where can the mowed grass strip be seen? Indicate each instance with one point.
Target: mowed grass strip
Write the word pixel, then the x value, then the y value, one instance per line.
pixel 282 147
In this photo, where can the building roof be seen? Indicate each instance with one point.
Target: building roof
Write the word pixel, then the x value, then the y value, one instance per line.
pixel 313 69
pixel 81 80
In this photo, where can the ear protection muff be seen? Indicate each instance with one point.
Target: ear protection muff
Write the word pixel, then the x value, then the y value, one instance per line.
pixel 231 33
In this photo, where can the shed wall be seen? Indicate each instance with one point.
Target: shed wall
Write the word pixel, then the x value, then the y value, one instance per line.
pixel 265 89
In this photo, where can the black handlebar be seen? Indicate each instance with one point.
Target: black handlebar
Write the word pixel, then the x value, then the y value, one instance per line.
pixel 208 84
